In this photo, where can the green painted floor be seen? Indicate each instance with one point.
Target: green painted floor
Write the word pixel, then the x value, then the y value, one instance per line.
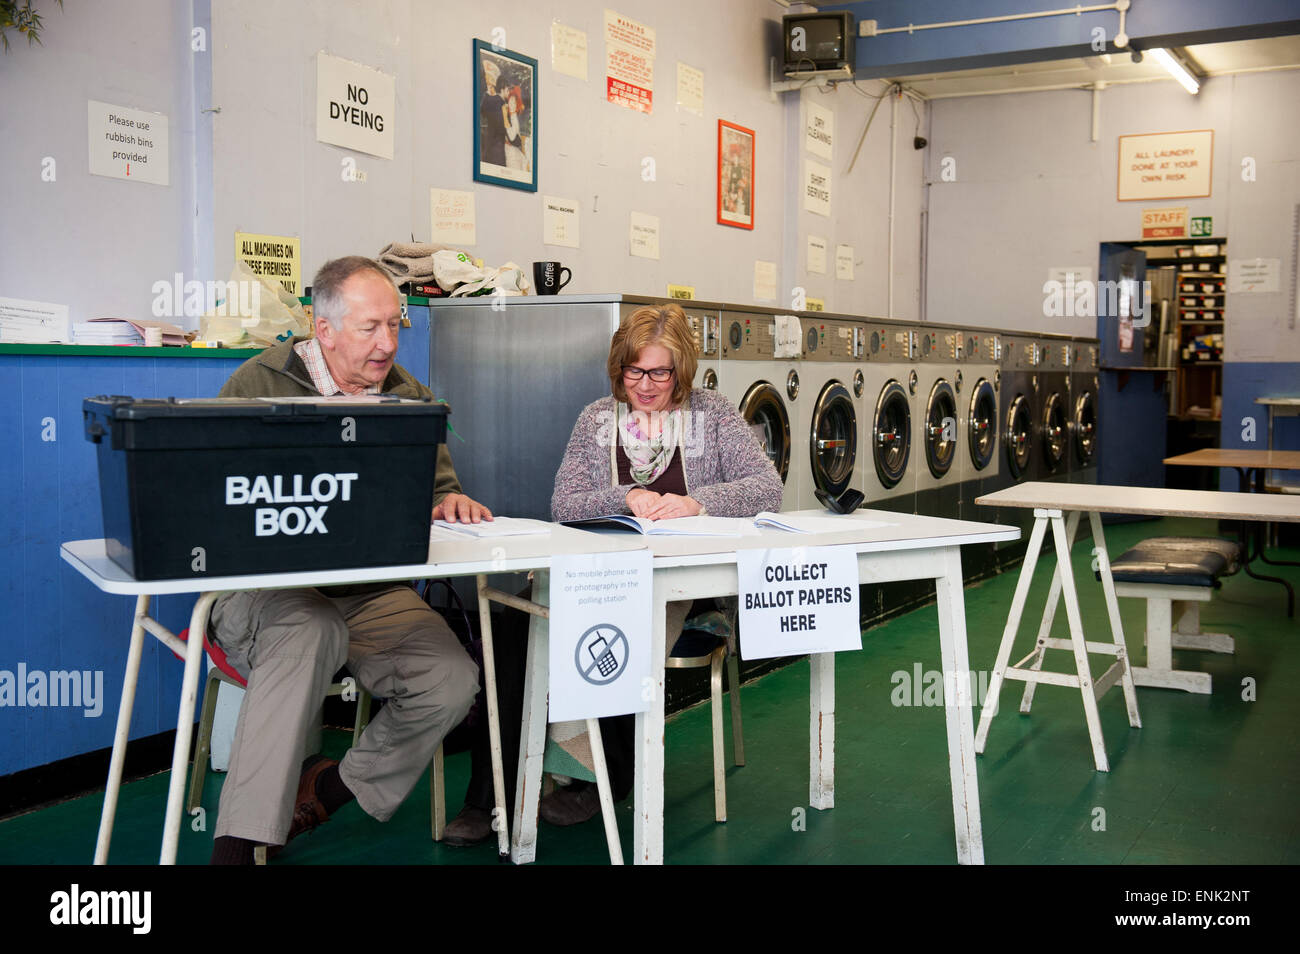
pixel 1207 779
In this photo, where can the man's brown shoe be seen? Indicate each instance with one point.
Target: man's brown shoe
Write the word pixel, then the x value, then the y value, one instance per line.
pixel 565 806
pixel 308 812
pixel 472 826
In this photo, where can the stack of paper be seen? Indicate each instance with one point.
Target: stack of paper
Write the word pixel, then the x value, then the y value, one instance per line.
pixel 816 523
pixel 106 332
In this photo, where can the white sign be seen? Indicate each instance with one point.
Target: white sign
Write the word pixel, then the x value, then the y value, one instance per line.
pixel 764 281
pixel 33 322
pixel 690 89
pixel 629 62
pixel 568 50
pixel 599 634
pixel 819 130
pixel 1173 165
pixel 643 235
pixel 453 216
pixel 1252 274
pixel 560 221
pixel 355 106
pixel 128 143
pixel 816 188
pixel 817 254
pixel 798 600
pixel 844 262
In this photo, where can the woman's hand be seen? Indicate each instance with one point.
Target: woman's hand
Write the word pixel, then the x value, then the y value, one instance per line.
pixel 457 508
pixel 671 505
pixel 641 501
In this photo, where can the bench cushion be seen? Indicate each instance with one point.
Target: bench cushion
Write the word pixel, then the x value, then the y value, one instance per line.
pixel 1182 561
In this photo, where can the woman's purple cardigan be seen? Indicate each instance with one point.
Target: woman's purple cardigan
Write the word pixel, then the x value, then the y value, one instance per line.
pixel 725 466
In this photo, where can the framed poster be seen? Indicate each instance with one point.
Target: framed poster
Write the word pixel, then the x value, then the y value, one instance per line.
pixel 505 117
pixel 735 175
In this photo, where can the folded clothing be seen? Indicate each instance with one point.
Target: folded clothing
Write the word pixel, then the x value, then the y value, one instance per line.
pixel 410 261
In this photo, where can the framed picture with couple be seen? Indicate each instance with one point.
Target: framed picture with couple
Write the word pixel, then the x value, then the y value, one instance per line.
pixel 505 117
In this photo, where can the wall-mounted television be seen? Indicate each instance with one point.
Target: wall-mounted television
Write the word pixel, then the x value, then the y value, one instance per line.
pixel 818 41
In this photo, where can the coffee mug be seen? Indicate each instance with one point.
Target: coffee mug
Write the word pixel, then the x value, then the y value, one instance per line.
pixel 550 277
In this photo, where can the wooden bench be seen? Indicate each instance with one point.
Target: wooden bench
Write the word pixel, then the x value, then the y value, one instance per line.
pixel 1175 575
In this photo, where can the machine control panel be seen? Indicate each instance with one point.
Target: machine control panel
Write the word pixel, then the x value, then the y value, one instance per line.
pixel 704 331
pixel 750 338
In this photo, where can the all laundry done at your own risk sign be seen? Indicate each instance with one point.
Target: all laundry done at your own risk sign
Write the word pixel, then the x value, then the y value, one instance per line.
pixel 798 600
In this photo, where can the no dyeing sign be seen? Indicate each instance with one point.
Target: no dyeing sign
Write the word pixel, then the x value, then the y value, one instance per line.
pixel 798 600
pixel 354 106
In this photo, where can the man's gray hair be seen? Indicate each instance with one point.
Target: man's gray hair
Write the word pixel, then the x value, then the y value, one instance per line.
pixel 327 287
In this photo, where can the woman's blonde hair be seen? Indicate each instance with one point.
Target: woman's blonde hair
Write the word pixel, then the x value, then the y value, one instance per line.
pixel 663 325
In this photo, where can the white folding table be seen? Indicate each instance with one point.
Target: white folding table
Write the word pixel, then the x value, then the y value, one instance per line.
pixel 910 548
pixel 450 555
pixel 1050 503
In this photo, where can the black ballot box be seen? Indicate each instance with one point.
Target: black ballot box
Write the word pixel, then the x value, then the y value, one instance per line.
pixel 216 487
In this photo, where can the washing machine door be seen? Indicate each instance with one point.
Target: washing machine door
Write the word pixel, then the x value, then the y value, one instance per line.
pixel 941 428
pixel 763 408
pixel 982 424
pixel 1055 430
pixel 834 439
pixel 1019 435
pixel 1085 427
pixel 891 434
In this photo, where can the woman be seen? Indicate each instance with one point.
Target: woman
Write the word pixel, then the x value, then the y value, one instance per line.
pixel 516 145
pixel 658 449
pixel 655 448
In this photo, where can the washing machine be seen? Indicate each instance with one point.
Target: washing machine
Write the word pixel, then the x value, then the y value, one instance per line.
pixel 978 457
pixel 1018 440
pixel 1054 409
pixel 827 419
pixel 942 430
pixel 890 456
pixel 705 329
pixel 764 389
pixel 1083 402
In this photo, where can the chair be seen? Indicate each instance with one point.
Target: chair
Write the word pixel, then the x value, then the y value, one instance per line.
pixel 222 671
pixel 697 652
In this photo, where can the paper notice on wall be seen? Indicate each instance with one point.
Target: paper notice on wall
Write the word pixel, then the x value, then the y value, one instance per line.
pixel 764 281
pixel 355 106
pixel 819 129
pixel 643 235
pixel 128 143
pixel 817 255
pixel 599 634
pixel 1070 274
pixel 816 188
pixel 1254 274
pixel 454 218
pixel 33 322
pixel 798 600
pixel 277 258
pixel 1173 165
pixel 568 50
pixel 844 262
pixel 629 62
pixel 560 219
pixel 690 89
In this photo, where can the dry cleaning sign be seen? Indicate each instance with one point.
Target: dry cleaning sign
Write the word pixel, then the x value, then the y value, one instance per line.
pixel 798 600
pixel 355 106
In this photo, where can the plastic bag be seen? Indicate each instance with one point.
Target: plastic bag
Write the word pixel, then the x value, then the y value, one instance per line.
pixel 457 274
pixel 255 313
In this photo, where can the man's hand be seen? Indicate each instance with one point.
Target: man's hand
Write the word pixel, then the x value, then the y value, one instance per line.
pixel 641 501
pixel 457 508
pixel 672 505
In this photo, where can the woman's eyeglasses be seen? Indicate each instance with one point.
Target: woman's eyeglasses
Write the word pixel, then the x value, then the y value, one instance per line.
pixel 658 375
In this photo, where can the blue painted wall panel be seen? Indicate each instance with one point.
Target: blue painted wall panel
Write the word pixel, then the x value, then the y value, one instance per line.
pixel 1242 383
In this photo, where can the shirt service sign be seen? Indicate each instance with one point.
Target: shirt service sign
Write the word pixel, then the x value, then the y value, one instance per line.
pixel 798 600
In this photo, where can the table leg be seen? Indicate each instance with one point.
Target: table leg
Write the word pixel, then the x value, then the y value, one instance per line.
pixel 124 710
pixel 990 708
pixel 1262 535
pixel 532 743
pixel 606 794
pixel 494 720
pixel 1072 613
pixel 184 728
pixel 648 827
pixel 1049 613
pixel 1116 625
pixel 955 660
pixel 821 731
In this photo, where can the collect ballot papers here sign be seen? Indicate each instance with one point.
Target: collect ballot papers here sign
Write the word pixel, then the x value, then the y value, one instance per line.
pixel 599 634
pixel 798 600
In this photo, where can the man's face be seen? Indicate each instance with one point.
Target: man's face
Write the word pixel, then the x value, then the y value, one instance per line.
pixel 361 352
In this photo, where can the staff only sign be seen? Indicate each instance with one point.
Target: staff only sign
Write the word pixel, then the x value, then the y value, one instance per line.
pixel 798 600
pixel 600 634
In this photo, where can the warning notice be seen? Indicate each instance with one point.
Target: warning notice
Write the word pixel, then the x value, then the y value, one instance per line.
pixel 629 62
pixel 128 143
pixel 798 600
pixel 1173 165
pixel 275 257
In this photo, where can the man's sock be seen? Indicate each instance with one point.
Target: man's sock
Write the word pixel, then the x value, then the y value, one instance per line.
pixel 229 850
pixel 331 790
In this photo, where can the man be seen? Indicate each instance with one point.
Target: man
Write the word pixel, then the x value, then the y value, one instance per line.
pixel 290 643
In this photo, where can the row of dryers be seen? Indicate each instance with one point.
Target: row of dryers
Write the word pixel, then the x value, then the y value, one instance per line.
pixel 919 417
